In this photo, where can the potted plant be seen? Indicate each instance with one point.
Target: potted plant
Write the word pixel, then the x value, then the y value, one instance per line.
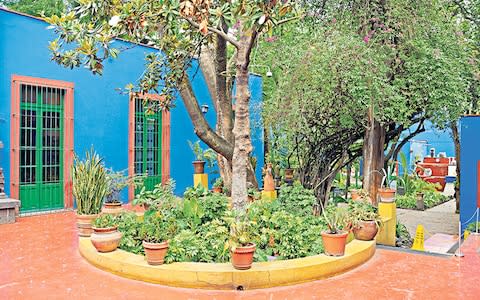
pixel 117 181
pixel 359 194
pixel 241 244
pixel 364 219
pixel 386 192
pixel 156 231
pixel 90 186
pixel 105 236
pixel 334 238
pixel 218 185
pixel 161 195
pixel 201 157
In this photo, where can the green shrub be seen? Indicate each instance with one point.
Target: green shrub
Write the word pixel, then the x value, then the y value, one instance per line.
pixel 296 199
pixel 130 226
pixel 430 199
pixel 199 226
pixel 105 221
pixel 472 226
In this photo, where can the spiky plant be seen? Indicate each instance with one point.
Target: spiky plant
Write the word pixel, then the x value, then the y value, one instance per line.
pixel 90 183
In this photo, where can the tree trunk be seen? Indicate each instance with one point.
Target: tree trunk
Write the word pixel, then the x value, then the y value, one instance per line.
pixel 349 177
pixel 373 156
pixel 241 129
pixel 456 141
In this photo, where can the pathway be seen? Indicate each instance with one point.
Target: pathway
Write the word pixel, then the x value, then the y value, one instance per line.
pixel 438 219
pixel 39 259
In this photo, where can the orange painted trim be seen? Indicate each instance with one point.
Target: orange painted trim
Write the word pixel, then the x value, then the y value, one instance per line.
pixel 155 97
pixel 68 148
pixel 165 146
pixel 131 144
pixel 15 140
pixel 131 138
pixel 43 81
pixel 16 80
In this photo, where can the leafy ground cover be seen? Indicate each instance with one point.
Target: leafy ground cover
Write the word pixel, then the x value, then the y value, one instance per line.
pixel 199 225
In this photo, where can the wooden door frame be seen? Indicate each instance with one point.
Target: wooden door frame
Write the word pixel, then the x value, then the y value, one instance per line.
pixel 165 142
pixel 16 81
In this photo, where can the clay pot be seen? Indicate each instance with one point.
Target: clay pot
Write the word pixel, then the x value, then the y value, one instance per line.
pixel 242 257
pixel 268 183
pixel 114 208
pixel 106 239
pixel 155 252
pixel 334 244
pixel 84 224
pixel 217 190
pixel 354 195
pixel 288 174
pixel 387 195
pixel 199 167
pixel 365 231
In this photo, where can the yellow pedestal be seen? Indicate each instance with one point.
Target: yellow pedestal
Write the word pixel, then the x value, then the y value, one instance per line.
pixel 200 179
pixel 387 232
pixel 270 195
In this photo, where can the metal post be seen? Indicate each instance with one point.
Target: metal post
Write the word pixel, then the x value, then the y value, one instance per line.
pixel 476 224
pixel 459 252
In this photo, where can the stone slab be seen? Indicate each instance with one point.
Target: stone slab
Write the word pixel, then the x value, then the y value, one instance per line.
pixel 440 243
pixel 9 203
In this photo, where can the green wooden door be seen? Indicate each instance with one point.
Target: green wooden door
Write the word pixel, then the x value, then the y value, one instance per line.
pixel 148 146
pixel 41 147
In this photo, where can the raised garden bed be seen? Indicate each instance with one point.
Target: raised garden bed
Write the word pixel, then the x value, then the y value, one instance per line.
pixel 223 276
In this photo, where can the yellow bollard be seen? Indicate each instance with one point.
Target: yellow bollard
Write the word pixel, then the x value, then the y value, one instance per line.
pixel 200 179
pixel 466 233
pixel 419 241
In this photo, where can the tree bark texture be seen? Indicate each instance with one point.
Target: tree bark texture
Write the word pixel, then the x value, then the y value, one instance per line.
pixel 241 129
pixel 373 156
pixel 456 141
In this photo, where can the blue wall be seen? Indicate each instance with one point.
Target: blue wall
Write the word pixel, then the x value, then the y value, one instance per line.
pixel 432 137
pixel 100 112
pixel 470 155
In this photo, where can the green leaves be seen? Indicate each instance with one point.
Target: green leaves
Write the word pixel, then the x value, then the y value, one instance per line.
pixel 90 183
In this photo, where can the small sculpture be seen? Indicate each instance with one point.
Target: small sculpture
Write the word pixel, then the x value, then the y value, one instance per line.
pixel 268 183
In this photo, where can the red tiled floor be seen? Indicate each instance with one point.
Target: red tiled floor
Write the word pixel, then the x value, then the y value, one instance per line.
pixel 39 260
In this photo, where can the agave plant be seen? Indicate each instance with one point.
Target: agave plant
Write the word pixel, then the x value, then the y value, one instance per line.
pixel 90 183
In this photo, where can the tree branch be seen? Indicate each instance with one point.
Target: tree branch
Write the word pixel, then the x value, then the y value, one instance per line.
pixel 216 31
pixel 201 127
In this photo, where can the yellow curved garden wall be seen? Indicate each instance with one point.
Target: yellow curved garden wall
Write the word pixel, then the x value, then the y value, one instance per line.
pixel 223 275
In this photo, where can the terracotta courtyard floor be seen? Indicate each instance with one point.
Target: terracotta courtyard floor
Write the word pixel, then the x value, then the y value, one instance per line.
pixel 39 259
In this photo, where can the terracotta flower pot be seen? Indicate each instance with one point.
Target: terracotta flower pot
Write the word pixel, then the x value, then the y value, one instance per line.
pixel 242 257
pixel 334 244
pixel 199 167
pixel 106 239
pixel 84 224
pixel 365 231
pixel 288 174
pixel 155 252
pixel 217 190
pixel 354 195
pixel 112 208
pixel 387 195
